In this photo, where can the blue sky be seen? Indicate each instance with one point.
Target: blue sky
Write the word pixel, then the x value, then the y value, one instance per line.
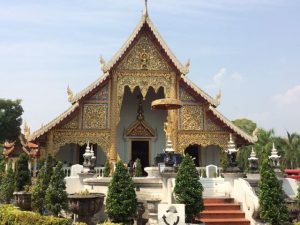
pixel 250 49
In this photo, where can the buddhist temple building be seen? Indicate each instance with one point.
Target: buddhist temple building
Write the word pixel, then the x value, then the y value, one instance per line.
pixel 12 150
pixel 114 113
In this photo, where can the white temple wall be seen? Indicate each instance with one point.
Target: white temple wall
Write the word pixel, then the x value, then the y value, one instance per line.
pixel 155 118
pixel 68 153
pixel 210 155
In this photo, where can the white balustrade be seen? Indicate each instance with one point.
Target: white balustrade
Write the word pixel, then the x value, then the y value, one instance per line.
pixel 67 171
pixel 100 171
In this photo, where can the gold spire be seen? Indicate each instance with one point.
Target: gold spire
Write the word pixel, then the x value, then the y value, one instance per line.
pixel 145 13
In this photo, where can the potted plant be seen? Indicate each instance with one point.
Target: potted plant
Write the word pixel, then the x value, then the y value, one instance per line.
pixel 188 190
pixel 85 205
pixel 22 183
pixel 121 201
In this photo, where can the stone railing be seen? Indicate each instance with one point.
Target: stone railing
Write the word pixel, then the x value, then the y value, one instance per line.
pixel 243 193
pixel 67 170
pixel 211 171
pixel 99 171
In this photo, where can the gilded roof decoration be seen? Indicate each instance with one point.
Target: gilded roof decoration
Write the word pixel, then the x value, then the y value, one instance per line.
pixel 185 96
pixel 236 129
pixel 95 116
pixel 191 117
pixel 90 88
pixel 145 20
pixel 144 55
pixel 102 94
pixel 44 129
pixel 72 124
pixel 140 129
pixel 199 91
pixel 211 125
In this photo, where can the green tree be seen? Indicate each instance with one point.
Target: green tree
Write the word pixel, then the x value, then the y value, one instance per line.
pixel 292 154
pixel 188 189
pixel 10 119
pixel 106 169
pixel 22 173
pixel 271 198
pixel 8 185
pixel 121 202
pixel 138 170
pixel 246 125
pixel 56 195
pixel 42 183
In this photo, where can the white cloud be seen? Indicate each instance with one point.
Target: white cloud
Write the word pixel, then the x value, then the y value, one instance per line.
pixel 217 79
pixel 291 96
pixel 237 76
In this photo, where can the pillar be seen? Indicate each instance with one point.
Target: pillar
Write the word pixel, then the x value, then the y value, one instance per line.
pixel 114 119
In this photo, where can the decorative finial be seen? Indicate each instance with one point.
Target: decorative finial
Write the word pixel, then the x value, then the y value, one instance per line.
pixel 145 13
pixel 140 111
pixel 70 94
pixel 218 97
pixel 102 62
pixel 26 130
pixel 186 66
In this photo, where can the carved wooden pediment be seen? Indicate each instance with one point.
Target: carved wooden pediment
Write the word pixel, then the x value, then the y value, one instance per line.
pixel 144 56
pixel 139 129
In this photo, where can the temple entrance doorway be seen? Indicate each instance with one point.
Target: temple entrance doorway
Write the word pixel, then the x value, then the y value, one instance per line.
pixel 193 151
pixel 140 149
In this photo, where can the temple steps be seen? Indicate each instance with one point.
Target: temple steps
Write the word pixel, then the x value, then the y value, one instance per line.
pixel 222 211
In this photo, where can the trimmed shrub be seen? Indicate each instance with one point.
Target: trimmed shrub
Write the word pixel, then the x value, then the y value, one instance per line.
pixel 138 171
pixel 12 216
pixel 7 186
pixel 56 195
pixel 42 183
pixel 271 197
pixel 121 202
pixel 188 189
pixel 110 223
pixel 22 173
pixel 106 169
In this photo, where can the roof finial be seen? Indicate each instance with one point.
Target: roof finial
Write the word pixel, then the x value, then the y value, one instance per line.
pixel 145 13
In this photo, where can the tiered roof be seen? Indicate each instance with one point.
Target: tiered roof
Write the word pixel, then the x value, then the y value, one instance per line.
pixel 107 68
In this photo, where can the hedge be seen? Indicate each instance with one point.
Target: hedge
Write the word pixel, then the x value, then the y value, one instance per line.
pixel 9 215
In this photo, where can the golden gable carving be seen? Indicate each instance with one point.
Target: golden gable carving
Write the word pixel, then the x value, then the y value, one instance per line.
pixel 191 117
pixel 144 56
pixel 95 116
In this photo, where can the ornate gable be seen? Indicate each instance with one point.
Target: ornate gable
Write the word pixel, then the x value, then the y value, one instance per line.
pixel 144 56
pixel 140 129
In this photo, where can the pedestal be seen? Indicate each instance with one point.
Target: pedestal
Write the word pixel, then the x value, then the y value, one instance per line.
pixel 167 186
pixel 152 206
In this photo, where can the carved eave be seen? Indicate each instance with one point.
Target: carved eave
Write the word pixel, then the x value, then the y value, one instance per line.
pixel 90 88
pixel 139 129
pixel 199 91
pixel 44 129
pixel 246 137
pixel 145 20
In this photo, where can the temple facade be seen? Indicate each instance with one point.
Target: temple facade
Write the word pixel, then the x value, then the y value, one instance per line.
pixel 114 113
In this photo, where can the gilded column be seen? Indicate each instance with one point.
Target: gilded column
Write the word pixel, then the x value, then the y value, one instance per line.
pixel 114 120
pixel 173 113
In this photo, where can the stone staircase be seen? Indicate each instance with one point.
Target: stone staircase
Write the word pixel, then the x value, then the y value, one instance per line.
pixel 222 211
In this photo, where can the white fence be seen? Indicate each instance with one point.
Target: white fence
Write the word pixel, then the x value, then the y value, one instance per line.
pixel 99 171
